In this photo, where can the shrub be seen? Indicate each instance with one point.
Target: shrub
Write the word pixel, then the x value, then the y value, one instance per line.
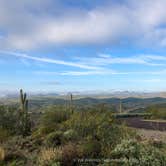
pixel 4 134
pixel 69 153
pixel 9 119
pixel 15 158
pixel 111 135
pixel 54 139
pixel 54 115
pixel 157 111
pixel 90 149
pixel 133 153
pixel 98 126
pixel 50 156
pixel 52 120
pixel 86 123
pixel 70 135
pixel 42 131
pixel 16 163
pixel 157 143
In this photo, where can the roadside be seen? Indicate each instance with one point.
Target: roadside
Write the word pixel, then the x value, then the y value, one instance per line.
pixel 152 135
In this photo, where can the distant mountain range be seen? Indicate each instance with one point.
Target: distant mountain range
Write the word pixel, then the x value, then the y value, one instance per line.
pixel 94 94
pixel 36 103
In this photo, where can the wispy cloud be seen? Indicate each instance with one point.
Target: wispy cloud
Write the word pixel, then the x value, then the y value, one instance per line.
pixel 154 57
pixel 100 72
pixel 50 83
pixel 85 73
pixel 77 73
pixel 99 65
pixel 106 59
pixel 48 60
pixel 153 80
pixel 25 62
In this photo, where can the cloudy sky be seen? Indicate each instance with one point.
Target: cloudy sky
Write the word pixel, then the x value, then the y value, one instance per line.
pixel 83 45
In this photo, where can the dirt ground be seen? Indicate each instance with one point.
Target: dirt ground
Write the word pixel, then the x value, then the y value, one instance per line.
pixel 152 134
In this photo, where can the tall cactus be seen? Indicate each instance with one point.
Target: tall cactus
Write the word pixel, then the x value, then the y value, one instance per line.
pixel 120 106
pixel 71 103
pixel 24 117
pixel 23 101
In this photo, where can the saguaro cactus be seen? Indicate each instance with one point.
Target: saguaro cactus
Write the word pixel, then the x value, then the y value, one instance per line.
pixel 23 101
pixel 24 117
pixel 120 106
pixel 71 103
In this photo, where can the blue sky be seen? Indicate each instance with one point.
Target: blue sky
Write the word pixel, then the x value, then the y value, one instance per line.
pixel 69 45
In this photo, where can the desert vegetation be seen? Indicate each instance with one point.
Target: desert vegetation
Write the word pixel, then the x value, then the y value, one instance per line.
pixel 157 111
pixel 65 135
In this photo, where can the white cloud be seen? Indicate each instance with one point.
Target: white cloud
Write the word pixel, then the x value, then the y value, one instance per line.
pixel 48 60
pixel 50 83
pixel 154 57
pixel 106 59
pixel 84 73
pixel 78 73
pixel 153 80
pixel 102 72
pixel 46 73
pixel 30 24
pixel 95 63
pixel 99 65
pixel 90 28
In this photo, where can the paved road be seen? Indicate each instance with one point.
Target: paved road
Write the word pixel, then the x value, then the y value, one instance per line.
pixel 138 122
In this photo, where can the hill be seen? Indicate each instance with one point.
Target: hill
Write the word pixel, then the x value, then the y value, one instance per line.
pixel 128 104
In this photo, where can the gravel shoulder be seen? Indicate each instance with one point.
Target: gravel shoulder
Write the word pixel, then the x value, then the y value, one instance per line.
pixel 152 134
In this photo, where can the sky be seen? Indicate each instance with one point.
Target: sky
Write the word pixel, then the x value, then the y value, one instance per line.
pixel 82 45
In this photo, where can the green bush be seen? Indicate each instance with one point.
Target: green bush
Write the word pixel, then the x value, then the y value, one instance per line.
pixel 70 135
pixel 4 134
pixel 54 115
pixel 52 120
pixel 86 123
pixel 90 149
pixel 157 143
pixel 42 131
pixel 54 139
pixel 111 135
pixel 9 119
pixel 132 153
pixel 100 126
pixel 157 111
pixel 15 158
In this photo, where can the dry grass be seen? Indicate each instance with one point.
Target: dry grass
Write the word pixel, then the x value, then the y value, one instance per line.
pixel 48 155
pixel 2 154
pixel 69 153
